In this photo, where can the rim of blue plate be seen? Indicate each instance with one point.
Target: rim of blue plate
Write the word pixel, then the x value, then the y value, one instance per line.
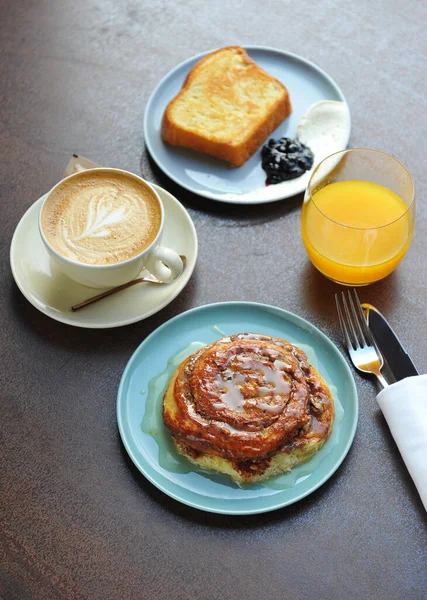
pixel 297 320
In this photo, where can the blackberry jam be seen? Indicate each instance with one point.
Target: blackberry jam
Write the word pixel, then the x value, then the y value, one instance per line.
pixel 285 159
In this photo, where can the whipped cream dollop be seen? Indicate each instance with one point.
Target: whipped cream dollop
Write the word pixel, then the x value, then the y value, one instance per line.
pixel 325 128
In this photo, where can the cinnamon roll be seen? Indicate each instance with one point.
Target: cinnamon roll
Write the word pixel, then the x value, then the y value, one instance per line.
pixel 248 405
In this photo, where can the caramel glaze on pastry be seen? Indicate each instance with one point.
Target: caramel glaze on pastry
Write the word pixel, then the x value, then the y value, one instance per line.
pixel 248 405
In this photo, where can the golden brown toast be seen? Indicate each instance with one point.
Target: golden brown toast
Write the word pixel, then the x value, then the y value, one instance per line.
pixel 227 107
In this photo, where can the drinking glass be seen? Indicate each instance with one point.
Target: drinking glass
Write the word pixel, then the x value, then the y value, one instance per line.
pixel 358 216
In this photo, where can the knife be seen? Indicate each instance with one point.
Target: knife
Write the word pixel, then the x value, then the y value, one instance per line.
pixel 396 356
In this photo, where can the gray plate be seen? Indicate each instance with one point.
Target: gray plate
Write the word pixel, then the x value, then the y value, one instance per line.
pixel 213 178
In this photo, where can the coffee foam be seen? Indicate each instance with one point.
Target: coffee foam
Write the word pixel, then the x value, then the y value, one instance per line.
pixel 101 218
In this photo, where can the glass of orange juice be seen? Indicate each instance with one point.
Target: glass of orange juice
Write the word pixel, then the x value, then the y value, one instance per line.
pixel 358 216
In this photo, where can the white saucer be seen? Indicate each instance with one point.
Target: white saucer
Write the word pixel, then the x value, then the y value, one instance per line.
pixel 53 293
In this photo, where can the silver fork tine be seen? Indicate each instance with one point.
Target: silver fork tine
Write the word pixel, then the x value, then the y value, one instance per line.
pixel 350 322
pixel 342 324
pixel 364 353
pixel 356 318
pixel 362 319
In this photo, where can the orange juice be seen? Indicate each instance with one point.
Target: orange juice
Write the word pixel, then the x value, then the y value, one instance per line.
pixel 356 232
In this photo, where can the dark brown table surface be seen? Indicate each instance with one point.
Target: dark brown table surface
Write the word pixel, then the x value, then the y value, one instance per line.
pixel 78 520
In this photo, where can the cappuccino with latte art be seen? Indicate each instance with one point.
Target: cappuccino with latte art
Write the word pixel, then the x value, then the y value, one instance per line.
pixel 101 227
pixel 101 217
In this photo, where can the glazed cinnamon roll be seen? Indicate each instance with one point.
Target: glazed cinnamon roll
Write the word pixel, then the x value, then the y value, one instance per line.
pixel 248 405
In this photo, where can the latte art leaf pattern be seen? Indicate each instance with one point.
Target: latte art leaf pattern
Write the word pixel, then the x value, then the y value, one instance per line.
pixel 101 219
pixel 102 213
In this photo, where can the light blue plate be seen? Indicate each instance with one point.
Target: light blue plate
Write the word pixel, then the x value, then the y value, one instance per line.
pixel 213 178
pixel 148 442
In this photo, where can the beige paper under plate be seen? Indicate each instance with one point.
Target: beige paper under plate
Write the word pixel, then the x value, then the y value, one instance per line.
pixel 79 163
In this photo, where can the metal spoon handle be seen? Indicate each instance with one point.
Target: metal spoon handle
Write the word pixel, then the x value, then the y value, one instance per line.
pixel 119 288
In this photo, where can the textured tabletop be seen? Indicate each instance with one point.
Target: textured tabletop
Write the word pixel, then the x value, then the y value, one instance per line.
pixel 77 519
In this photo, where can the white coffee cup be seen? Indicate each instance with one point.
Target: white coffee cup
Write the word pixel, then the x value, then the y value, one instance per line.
pixel 162 262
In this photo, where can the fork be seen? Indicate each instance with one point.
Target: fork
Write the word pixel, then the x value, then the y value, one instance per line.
pixel 363 351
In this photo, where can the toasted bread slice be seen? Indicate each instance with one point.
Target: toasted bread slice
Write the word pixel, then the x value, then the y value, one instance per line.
pixel 227 107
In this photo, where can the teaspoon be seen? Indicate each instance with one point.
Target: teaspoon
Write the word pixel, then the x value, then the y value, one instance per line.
pixel 148 278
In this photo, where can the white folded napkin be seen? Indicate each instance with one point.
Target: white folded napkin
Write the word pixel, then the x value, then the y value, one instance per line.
pixel 404 406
